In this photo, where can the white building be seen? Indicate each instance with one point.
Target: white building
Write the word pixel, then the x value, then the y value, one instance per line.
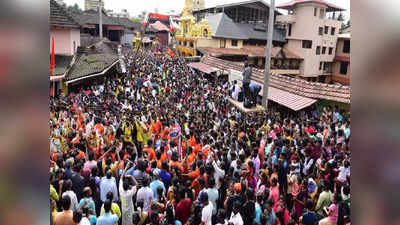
pixel 93 4
pixel 311 33
pixel 123 14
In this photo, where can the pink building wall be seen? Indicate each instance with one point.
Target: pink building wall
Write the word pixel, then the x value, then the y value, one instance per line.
pixel 64 40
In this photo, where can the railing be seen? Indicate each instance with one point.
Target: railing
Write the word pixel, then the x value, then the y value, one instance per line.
pixel 286 18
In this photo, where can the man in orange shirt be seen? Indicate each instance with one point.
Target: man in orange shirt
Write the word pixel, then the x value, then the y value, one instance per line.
pixel 175 162
pixel 150 151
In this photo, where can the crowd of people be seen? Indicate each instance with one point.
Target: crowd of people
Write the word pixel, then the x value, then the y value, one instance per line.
pixel 161 145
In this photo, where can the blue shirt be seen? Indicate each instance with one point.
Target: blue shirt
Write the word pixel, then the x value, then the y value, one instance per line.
pixel 107 219
pixel 271 218
pixel 254 86
pixel 107 185
pixel 154 186
pixel 90 205
pixel 166 178
pixel 258 214
pixel 309 218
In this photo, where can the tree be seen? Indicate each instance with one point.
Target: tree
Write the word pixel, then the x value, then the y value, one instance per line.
pixel 341 18
pixel 136 20
pixel 348 23
pixel 75 9
pixel 142 15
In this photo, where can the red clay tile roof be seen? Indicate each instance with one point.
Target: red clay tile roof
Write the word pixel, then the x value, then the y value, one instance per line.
pixel 251 51
pixel 159 26
pixel 300 87
pixel 294 2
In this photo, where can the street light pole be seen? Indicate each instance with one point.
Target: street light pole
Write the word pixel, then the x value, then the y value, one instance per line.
pixel 101 21
pixel 267 69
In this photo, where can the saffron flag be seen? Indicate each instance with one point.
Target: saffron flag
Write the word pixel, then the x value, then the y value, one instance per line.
pixel 171 53
pixel 52 61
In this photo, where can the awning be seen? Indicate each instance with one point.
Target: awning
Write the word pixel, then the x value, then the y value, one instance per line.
pixel 292 101
pixel 203 67
pixel 57 78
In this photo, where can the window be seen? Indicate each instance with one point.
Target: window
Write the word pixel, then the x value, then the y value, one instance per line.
pixel 323 50
pixel 333 31
pixel 307 44
pixel 315 11
pixel 330 50
pixel 346 46
pixel 326 29
pixel 222 43
pixel 234 42
pixel 318 50
pixel 322 14
pixel 320 30
pixel 343 67
pixel 320 65
pixel 290 29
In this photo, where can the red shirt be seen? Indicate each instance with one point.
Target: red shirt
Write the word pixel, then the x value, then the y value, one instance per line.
pixel 182 210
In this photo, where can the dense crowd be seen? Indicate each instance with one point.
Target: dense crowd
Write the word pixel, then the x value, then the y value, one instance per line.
pixel 161 145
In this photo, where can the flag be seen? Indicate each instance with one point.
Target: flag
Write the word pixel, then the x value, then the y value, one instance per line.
pixel 171 53
pixel 52 60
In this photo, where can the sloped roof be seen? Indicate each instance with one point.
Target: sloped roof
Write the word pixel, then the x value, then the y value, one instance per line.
pixel 92 17
pixel 223 26
pixel 92 60
pixel 158 26
pixel 331 7
pixel 128 23
pixel 251 51
pixel 59 17
pixel 253 31
pixel 62 63
pixel 300 87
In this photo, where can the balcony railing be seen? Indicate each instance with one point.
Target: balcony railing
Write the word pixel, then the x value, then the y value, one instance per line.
pixel 286 18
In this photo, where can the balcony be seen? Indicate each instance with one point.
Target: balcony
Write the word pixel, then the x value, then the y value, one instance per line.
pixel 286 19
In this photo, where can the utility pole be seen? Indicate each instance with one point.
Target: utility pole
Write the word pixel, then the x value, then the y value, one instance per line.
pixel 267 69
pixel 101 21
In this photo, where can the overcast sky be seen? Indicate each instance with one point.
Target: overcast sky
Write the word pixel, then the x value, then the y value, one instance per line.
pixel 134 7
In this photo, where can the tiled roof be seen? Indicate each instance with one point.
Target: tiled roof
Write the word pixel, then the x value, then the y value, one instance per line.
pixel 62 63
pixel 59 16
pixel 92 17
pixel 301 87
pixel 127 23
pixel 223 26
pixel 251 51
pixel 92 60
pixel 158 26
pixel 331 7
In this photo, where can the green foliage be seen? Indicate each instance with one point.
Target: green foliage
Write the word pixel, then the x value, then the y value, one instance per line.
pixel 74 9
pixel 136 20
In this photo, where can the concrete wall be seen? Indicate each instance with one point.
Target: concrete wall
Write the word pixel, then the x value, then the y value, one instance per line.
pixel 207 43
pixel 127 39
pixel 339 49
pixel 64 41
pixel 306 27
